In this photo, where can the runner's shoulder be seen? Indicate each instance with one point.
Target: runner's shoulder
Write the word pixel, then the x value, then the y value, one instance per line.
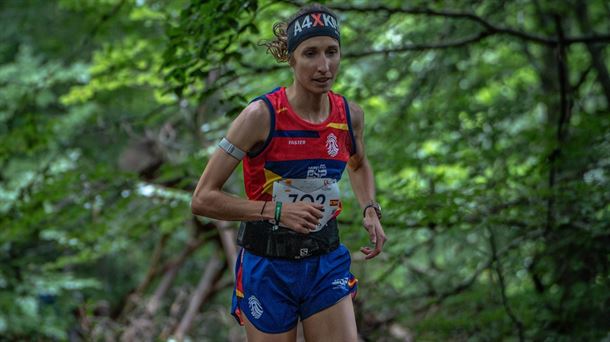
pixel 356 113
pixel 253 122
pixel 256 112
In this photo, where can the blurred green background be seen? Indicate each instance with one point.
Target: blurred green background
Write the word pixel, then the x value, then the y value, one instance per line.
pixel 487 125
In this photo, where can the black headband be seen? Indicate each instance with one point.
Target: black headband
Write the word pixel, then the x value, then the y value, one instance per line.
pixel 312 24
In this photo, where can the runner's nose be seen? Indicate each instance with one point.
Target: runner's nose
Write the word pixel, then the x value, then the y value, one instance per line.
pixel 324 64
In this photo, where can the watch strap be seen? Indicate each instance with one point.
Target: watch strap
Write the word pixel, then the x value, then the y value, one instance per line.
pixel 375 206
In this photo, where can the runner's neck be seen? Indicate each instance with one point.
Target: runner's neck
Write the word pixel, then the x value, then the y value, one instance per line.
pixel 311 107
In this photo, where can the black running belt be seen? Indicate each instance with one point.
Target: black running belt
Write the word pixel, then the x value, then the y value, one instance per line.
pixel 259 238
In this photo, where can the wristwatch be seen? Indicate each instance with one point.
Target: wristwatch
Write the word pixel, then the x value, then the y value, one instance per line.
pixel 375 206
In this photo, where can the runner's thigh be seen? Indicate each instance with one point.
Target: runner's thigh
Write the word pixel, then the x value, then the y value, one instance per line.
pixel 255 335
pixel 336 323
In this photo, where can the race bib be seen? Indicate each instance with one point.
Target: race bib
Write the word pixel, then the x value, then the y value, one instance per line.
pixel 324 191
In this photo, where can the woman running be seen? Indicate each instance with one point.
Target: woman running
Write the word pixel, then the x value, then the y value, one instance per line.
pixel 295 142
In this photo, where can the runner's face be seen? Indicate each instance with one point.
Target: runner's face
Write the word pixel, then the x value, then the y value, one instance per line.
pixel 315 63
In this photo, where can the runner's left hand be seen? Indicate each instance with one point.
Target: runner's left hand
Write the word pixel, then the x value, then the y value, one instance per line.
pixel 376 234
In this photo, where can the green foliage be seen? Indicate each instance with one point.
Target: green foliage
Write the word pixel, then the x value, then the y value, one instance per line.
pixel 205 37
pixel 109 110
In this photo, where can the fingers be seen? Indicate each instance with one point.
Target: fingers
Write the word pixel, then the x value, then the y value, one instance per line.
pixel 311 222
pixel 302 226
pixel 378 238
pixel 369 252
pixel 302 217
pixel 378 245
pixel 318 210
pixel 312 217
pixel 370 228
pixel 372 233
pixel 301 230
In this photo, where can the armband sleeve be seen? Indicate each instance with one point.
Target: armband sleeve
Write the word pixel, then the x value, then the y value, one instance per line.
pixel 231 149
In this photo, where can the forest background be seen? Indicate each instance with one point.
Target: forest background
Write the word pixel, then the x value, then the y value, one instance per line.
pixel 487 124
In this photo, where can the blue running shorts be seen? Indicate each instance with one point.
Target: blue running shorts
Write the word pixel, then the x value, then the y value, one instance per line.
pixel 274 293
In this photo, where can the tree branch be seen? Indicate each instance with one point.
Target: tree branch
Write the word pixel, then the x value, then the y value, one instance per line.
pixel 227 239
pixel 496 261
pixel 93 32
pixel 399 259
pixel 206 284
pixel 595 51
pixel 419 47
pixel 153 270
pixel 581 80
pixel 564 86
pixel 469 281
pixel 488 26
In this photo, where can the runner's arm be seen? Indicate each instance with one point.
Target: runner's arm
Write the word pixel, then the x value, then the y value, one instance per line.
pixel 363 184
pixel 247 132
pixel 248 129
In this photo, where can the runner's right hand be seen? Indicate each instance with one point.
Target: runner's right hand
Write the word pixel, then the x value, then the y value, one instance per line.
pixel 301 217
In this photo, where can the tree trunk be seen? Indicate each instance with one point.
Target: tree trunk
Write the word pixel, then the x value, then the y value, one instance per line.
pixel 204 288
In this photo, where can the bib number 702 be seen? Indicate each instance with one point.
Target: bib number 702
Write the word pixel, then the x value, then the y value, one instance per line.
pixel 320 199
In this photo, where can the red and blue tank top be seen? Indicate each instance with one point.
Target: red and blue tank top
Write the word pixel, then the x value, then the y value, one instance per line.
pixel 298 149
